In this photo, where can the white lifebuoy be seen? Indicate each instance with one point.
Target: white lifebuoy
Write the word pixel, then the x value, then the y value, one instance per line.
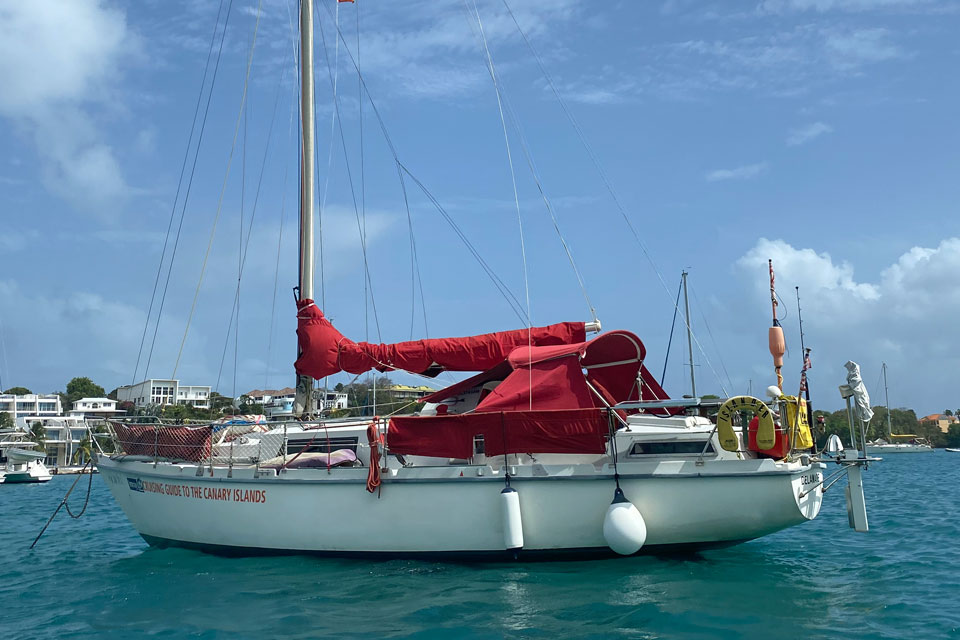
pixel 623 527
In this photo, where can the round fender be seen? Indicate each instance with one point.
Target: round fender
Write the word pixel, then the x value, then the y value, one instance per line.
pixel 766 433
pixel 623 527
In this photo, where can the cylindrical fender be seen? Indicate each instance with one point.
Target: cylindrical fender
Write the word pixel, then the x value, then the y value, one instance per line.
pixel 766 432
pixel 512 521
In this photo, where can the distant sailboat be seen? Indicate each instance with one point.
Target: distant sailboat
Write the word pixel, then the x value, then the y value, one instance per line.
pixel 907 442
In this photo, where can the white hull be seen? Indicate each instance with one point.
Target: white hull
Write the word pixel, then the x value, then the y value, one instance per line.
pixel 885 449
pixel 456 510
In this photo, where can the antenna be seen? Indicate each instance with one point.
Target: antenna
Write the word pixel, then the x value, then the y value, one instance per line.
pixel 775 335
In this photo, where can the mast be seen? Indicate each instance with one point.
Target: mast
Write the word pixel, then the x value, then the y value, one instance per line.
pixel 886 398
pixel 304 403
pixel 686 306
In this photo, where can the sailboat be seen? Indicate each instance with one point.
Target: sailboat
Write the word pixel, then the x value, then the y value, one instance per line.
pixel 896 442
pixel 558 445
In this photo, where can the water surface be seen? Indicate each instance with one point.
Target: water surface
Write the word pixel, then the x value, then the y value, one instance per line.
pixel 95 577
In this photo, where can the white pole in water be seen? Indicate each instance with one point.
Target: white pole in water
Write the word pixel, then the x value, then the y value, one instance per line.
pixel 305 401
pixel 886 396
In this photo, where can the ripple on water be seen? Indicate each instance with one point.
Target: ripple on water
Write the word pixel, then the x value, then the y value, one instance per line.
pixel 95 576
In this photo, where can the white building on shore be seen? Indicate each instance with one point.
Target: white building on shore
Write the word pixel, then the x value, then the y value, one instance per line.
pixel 31 405
pixel 155 392
pixel 86 408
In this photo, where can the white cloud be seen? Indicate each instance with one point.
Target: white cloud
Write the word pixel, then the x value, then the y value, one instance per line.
pixel 57 58
pixel 906 317
pixel 744 172
pixel 782 63
pixel 822 6
pixel 807 133
pixel 816 273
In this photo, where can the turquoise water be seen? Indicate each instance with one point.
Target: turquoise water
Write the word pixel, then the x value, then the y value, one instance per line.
pixel 94 577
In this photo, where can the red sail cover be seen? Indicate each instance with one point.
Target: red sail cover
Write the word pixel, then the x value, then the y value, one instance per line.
pixel 576 431
pixel 324 350
pixel 553 400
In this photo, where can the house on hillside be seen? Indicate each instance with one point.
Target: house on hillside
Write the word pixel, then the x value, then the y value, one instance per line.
pixel 86 408
pixel 161 393
pixel 278 403
pixel 31 405
pixel 940 420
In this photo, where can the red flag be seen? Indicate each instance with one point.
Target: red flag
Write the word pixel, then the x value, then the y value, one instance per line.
pixel 344 0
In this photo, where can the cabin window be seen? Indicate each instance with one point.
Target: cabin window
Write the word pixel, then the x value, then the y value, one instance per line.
pixel 676 447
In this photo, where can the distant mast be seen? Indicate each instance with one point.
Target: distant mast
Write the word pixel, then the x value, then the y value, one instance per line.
pixel 304 403
pixel 775 335
pixel 686 306
pixel 886 399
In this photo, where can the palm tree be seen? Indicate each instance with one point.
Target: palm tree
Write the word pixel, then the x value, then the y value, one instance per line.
pixel 84 450
pixel 39 435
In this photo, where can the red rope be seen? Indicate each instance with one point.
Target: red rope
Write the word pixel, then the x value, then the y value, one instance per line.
pixel 375 440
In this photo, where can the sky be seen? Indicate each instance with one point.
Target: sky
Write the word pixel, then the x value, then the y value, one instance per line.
pixel 708 137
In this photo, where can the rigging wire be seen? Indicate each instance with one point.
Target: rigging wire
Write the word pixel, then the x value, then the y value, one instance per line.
pixel 710 333
pixel 216 219
pixel 528 156
pixel 193 169
pixel 3 350
pixel 244 247
pixel 353 193
pixel 673 325
pixel 505 292
pixel 513 177
pixel 276 270
pixel 603 177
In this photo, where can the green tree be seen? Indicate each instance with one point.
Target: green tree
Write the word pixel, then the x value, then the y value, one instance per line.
pixel 18 391
pixel 82 388
pixel 218 403
pixel 247 405
pixel 952 438
pixel 6 420
pixel 947 412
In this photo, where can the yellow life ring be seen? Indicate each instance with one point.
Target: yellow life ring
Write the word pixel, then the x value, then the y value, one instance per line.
pixel 766 432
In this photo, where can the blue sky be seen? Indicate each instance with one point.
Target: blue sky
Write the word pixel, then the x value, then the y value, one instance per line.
pixel 819 133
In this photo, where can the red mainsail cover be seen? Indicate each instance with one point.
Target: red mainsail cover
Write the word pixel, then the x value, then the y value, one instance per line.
pixel 551 399
pixel 325 351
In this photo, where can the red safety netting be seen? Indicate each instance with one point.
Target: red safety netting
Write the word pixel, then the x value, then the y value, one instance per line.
pixel 161 441
pixel 325 351
pixel 452 436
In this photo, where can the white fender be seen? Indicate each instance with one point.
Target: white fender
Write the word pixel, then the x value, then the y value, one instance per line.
pixel 623 527
pixel 512 521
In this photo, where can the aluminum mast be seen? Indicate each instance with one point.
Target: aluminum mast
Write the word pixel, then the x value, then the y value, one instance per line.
pixel 886 398
pixel 686 306
pixel 304 403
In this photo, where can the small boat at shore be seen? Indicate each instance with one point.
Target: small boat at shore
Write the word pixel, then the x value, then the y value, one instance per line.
pixel 20 463
pixel 953 450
